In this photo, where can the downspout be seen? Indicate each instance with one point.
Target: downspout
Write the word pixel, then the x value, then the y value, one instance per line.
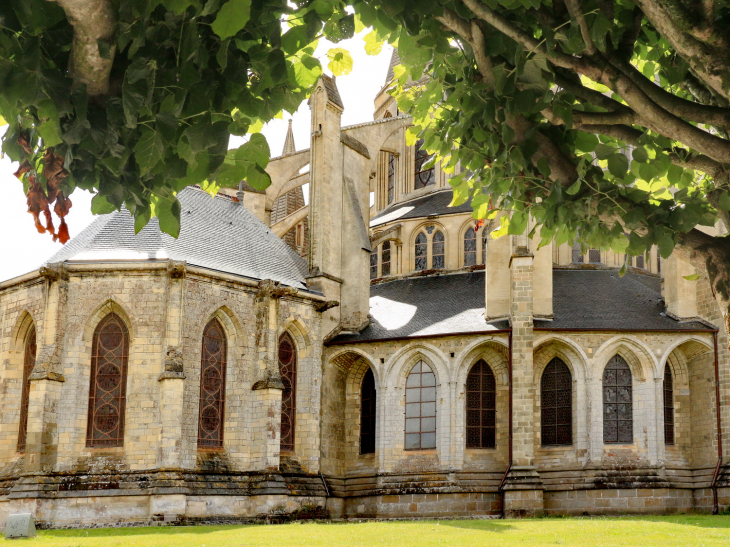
pixel 713 486
pixel 509 464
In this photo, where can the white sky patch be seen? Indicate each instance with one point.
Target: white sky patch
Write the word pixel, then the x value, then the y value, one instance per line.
pixel 390 314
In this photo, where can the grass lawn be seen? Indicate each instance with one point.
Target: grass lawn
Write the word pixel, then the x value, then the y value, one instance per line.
pixel 695 530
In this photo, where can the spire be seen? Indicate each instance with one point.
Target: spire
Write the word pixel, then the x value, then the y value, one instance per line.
pixel 289 147
pixel 394 60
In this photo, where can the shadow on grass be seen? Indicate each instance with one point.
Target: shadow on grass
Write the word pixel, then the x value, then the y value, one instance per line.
pixel 697 519
pixel 143 531
pixel 485 525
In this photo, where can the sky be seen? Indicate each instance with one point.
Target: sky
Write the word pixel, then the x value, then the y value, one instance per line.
pixel 23 249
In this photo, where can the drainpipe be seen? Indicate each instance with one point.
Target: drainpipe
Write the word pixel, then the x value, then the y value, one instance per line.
pixel 509 465
pixel 713 486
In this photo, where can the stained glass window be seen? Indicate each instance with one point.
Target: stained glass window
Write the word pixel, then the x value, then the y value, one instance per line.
pixel 391 178
pixel 368 400
pixel 437 250
pixel 424 176
pixel 481 406
pixel 556 404
pixel 212 386
pixel 470 247
pixel 374 263
pixel 420 408
pixel 668 406
pixel 108 392
pixel 618 425
pixel 385 259
pixel 288 371
pixel 421 249
pixel 28 363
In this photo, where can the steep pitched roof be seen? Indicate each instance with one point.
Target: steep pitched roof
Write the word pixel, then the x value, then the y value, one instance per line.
pixel 436 203
pixel 289 147
pixel 394 60
pixel 215 233
pixel 449 304
pixel 330 84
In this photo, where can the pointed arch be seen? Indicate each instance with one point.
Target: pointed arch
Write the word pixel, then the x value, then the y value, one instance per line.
pixel 211 409
pixel 438 250
pixel 556 404
pixel 420 402
pixel 618 402
pixel 368 412
pixel 110 305
pixel 20 331
pixel 108 390
pixel 299 333
pixel 232 328
pixel 637 354
pixel 287 357
pixel 29 356
pixel 400 363
pixel 421 252
pixel 481 406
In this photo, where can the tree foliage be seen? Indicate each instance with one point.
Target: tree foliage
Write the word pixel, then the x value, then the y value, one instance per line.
pixel 602 120
pixel 143 112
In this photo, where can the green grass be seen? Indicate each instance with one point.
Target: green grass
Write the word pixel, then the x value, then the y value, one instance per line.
pixel 694 530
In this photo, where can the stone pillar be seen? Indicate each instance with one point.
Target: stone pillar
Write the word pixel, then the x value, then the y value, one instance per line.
pixel 47 379
pixel 523 488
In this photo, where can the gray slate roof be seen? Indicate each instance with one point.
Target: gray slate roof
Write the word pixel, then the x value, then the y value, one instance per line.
pixel 436 203
pixel 215 233
pixel 449 304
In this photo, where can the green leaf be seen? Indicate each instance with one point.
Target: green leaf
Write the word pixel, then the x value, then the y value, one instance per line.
pixel 149 150
pixel 544 167
pixel 167 210
pixel 724 201
pixel 258 178
pixel 674 174
pixel 619 244
pixel 665 245
pixel 231 18
pixel 639 154
pixel 340 61
pixel 691 277
pixel 573 189
pixel 618 165
pixel 586 142
pixel 518 223
pixel 307 71
pixel 603 151
pixel 100 206
pixel 256 150
pixel 373 46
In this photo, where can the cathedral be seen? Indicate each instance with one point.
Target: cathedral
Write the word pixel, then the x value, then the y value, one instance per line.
pixel 371 352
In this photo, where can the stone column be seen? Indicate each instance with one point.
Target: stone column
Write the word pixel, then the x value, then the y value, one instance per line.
pixel 172 379
pixel 47 379
pixel 523 489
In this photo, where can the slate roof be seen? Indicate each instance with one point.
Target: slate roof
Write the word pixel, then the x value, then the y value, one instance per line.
pixel 215 233
pixel 394 60
pixel 449 304
pixel 331 86
pixel 436 203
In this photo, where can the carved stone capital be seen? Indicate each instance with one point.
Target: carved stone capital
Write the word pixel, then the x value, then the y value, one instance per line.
pixel 176 269
pixel 173 359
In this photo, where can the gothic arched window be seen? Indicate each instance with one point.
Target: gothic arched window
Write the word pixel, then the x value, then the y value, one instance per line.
pixel 470 247
pixel 556 404
pixel 481 406
pixel 485 237
pixel 420 408
pixel 108 392
pixel 668 406
pixel 577 253
pixel 368 399
pixel 385 259
pixel 374 263
pixel 424 176
pixel 288 371
pixel 618 423
pixel 212 386
pixel 437 250
pixel 421 248
pixel 28 363
pixel 640 261
pixel 391 178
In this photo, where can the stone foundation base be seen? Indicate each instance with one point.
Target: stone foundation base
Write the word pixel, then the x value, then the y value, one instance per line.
pixel 423 505
pixel 523 503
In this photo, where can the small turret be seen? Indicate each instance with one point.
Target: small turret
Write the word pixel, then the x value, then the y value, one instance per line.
pixel 289 147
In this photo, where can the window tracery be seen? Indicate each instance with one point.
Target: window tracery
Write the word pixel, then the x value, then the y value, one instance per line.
pixel 470 247
pixel 288 371
pixel 618 425
pixel 385 259
pixel 28 363
pixel 437 250
pixel 212 386
pixel 421 250
pixel 420 408
pixel 481 406
pixel 556 404
pixel 108 392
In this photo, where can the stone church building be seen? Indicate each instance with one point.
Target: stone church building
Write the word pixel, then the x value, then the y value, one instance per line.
pixel 371 353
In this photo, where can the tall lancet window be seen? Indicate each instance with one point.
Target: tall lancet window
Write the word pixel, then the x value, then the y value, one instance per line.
pixel 385 259
pixel 421 250
pixel 28 363
pixel 108 392
pixel 212 386
pixel 668 406
pixel 556 404
pixel 470 247
pixel 577 253
pixel 368 403
pixel 420 408
pixel 437 250
pixel 288 371
pixel 374 263
pixel 391 177
pixel 481 406
pixel 618 412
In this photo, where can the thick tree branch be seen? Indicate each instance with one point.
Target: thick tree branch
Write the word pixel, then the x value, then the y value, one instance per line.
pixel 580 118
pixel 577 13
pixel 590 95
pixel 92 21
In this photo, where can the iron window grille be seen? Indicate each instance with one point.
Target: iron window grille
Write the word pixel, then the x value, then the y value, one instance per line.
pixel 668 406
pixel 594 256
pixel 421 248
pixel 470 247
pixel 556 404
pixel 28 364
pixel 288 371
pixel 481 407
pixel 368 400
pixel 420 433
pixel 618 424
pixel 212 386
pixel 437 250
pixel 108 393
